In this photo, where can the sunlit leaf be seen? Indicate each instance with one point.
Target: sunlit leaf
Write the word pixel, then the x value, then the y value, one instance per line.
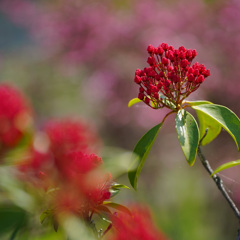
pixel 141 152
pixel 226 166
pixel 188 135
pixel 196 103
pixel 225 117
pixel 206 122
pixel 134 101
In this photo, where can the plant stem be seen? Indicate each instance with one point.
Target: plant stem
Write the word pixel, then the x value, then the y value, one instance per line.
pixel 219 183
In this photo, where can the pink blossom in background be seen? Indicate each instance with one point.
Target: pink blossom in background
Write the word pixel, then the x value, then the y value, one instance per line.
pixel 109 41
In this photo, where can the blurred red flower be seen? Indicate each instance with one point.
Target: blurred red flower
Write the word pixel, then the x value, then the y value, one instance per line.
pixel 138 225
pixel 15 115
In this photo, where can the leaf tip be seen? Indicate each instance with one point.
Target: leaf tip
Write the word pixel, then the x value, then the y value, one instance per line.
pixel 133 101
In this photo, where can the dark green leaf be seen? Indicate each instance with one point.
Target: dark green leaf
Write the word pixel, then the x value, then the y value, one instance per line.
pixel 226 165
pixel 11 217
pixel 225 117
pixel 141 152
pixel 188 135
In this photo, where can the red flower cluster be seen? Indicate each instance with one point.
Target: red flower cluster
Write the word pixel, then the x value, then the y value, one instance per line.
pixel 85 186
pixel 59 159
pixel 66 136
pixel 137 226
pixel 170 77
pixel 15 116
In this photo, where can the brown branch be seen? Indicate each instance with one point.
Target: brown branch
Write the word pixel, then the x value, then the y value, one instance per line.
pixel 219 182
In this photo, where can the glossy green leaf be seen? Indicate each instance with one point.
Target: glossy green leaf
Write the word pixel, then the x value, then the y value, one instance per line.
pixel 225 117
pixel 196 103
pixel 134 101
pixel 141 152
pixel 206 122
pixel 188 135
pixel 226 166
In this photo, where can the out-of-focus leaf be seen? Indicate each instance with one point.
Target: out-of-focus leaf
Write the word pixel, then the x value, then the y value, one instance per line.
pixel 188 135
pixel 114 192
pixel 14 189
pixel 226 166
pixel 11 217
pixel 117 186
pixel 44 215
pixel 103 208
pixel 116 161
pixel 76 229
pixel 134 101
pixel 117 206
pixel 225 117
pixel 141 152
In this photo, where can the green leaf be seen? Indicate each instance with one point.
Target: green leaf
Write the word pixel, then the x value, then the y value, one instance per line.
pixel 114 192
pixel 226 165
pixel 196 103
pixel 117 186
pixel 44 215
pixel 134 101
pixel 141 152
pixel 11 217
pixel 188 135
pixel 102 208
pixel 225 117
pixel 117 206
pixel 206 122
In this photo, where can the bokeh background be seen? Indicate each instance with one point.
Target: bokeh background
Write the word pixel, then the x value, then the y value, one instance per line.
pixel 75 58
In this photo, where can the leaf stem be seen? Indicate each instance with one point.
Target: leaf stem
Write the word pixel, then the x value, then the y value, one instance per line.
pixel 167 116
pixel 219 182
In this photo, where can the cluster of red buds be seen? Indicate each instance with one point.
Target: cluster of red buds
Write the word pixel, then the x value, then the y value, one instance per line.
pixel 170 77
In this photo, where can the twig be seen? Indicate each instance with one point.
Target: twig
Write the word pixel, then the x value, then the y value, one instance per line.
pixel 219 183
